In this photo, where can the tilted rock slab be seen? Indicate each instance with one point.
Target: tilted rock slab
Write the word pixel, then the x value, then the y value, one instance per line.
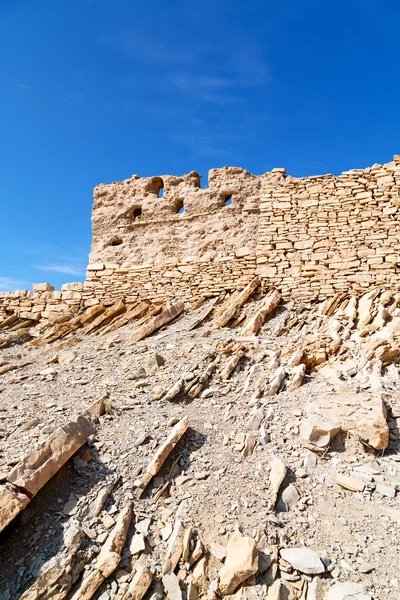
pixel 108 558
pixel 156 322
pixel 255 323
pixel 348 591
pixel 303 560
pixel 35 470
pixel 162 454
pixel 237 303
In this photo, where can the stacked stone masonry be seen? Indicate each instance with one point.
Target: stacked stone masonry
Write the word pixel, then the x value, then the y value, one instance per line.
pixel 167 237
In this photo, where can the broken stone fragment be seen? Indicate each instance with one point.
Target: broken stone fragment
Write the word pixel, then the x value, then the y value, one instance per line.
pixel 175 548
pixel 137 374
pixel 12 501
pixel 218 551
pixel 66 358
pixel 171 586
pixel 289 499
pixel 241 562
pixel 109 556
pixel 276 477
pixel 35 469
pixel 237 302
pixel 268 304
pixel 249 445
pixel 174 390
pixel 297 377
pixel 318 431
pixel 304 560
pixel 137 544
pixel 350 483
pixel 277 381
pixel 153 363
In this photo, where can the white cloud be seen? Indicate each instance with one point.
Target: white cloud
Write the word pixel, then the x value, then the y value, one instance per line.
pixel 7 284
pixel 68 269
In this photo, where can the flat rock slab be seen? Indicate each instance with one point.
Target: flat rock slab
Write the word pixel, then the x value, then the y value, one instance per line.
pixel 361 414
pixel 304 560
pixel 39 466
pixel 348 591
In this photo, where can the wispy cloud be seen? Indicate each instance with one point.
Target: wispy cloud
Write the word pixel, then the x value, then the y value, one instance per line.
pixel 70 95
pixel 22 87
pixel 139 46
pixel 212 71
pixel 208 84
pixel 7 284
pixel 20 84
pixel 67 269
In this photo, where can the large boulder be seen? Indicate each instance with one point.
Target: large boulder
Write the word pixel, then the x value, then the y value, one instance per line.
pixel 361 414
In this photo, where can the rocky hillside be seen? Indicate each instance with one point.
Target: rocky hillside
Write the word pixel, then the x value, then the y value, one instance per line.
pixel 236 447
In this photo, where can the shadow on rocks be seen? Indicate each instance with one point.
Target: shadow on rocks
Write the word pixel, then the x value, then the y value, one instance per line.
pixel 36 535
pixel 178 461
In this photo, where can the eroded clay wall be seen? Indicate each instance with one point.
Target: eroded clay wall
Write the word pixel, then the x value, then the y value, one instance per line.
pixel 140 220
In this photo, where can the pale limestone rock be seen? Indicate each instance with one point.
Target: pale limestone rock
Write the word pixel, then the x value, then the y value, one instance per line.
pixel 162 453
pixel 66 358
pixel 298 373
pixel 137 544
pixel 171 586
pixel 218 551
pixel 241 562
pixel 290 497
pixel 158 321
pixel 139 584
pixel 109 556
pixel 237 303
pixel 255 323
pixel 175 548
pixel 348 591
pixel 304 560
pixel 277 381
pixel 318 431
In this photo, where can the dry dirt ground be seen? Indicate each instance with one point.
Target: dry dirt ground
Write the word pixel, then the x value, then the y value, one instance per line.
pixel 211 483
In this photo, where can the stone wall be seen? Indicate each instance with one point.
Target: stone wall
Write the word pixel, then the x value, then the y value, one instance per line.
pixel 310 237
pixel 44 302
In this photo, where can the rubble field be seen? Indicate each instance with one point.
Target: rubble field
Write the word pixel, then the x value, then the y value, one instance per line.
pixel 239 447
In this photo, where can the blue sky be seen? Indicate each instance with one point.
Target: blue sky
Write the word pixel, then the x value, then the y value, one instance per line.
pixel 94 91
